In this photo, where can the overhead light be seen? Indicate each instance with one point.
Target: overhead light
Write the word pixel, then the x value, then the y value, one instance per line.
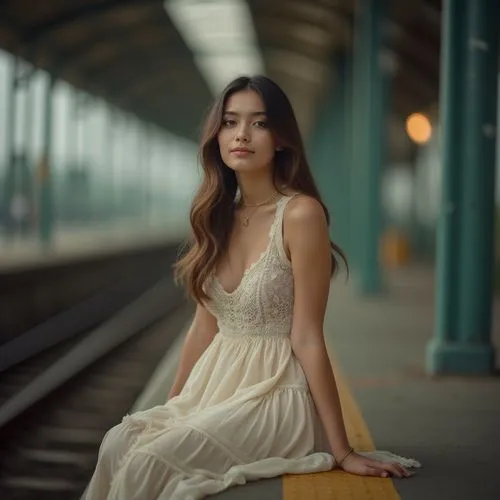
pixel 419 128
pixel 221 35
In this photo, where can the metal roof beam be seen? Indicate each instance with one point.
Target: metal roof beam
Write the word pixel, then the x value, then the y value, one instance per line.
pixel 75 58
pixel 78 14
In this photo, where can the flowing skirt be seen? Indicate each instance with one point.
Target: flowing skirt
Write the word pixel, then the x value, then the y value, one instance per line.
pixel 245 413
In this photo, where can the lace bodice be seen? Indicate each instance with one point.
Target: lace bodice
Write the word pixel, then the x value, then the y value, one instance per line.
pixel 262 304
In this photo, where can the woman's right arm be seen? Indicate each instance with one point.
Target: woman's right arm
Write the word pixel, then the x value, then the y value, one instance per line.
pixel 198 338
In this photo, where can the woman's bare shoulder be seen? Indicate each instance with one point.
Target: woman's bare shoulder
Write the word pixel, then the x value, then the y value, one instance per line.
pixel 304 209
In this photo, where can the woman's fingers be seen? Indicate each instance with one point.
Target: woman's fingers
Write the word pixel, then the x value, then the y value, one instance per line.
pixel 382 469
pixel 394 469
pixel 404 472
pixel 376 471
pixel 358 464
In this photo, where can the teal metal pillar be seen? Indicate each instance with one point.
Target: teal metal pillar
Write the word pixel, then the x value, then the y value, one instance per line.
pixel 355 147
pixel 10 131
pixel 25 158
pixel 368 134
pixel 109 159
pixel 348 157
pixel 340 212
pixel 317 147
pixel 320 150
pixel 10 175
pixel 18 182
pixel 146 171
pixel 452 69
pixel 146 159
pixel 328 156
pixel 476 256
pixel 462 342
pixel 46 209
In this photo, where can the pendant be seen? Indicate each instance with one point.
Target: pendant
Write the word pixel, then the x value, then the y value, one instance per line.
pixel 245 221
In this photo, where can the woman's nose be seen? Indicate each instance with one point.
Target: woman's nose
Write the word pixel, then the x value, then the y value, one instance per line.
pixel 242 135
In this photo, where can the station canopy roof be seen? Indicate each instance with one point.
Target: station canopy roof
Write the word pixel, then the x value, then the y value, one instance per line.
pixel 164 60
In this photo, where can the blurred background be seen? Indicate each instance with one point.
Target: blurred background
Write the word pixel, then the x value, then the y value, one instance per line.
pixel 126 85
pixel 111 94
pixel 101 103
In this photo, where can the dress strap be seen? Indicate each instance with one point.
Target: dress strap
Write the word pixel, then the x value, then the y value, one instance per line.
pixel 278 228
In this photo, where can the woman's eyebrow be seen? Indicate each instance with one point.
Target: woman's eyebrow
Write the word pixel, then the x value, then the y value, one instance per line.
pixel 254 113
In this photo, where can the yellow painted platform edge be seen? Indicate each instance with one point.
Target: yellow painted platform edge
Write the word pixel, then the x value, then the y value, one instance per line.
pixel 337 484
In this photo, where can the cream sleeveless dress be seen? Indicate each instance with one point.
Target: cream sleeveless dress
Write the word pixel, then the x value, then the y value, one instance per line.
pixel 245 412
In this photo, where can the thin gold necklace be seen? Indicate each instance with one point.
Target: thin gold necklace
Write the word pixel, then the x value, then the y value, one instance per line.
pixel 246 219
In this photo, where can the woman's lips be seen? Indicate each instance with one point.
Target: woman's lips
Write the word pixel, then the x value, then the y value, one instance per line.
pixel 241 152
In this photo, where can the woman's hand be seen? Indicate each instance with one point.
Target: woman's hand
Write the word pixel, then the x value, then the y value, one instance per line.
pixel 357 464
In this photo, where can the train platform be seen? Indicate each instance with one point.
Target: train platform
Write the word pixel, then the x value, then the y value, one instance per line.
pixel 39 281
pixel 377 346
pixel 76 243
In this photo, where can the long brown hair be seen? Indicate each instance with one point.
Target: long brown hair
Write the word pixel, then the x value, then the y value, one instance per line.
pixel 212 211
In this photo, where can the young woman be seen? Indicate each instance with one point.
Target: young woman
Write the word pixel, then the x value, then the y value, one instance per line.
pixel 254 395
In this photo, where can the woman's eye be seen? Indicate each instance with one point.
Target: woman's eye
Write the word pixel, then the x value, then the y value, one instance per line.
pixel 228 123
pixel 261 124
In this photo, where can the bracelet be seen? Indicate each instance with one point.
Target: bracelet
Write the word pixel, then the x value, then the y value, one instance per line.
pixel 340 462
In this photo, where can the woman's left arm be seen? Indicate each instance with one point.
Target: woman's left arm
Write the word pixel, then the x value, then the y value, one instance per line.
pixel 308 244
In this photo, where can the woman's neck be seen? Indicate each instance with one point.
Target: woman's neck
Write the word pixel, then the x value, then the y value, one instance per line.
pixel 255 189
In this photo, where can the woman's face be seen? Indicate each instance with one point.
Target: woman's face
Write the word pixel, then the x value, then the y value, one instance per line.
pixel 245 141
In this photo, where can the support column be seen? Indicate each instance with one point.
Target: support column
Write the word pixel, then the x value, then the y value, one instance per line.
pixel 462 342
pixel 328 156
pixel 25 164
pixel 10 140
pixel 10 132
pixel 146 151
pixel 367 141
pixel 109 157
pixel 347 97
pixel 452 69
pixel 340 202
pixel 320 148
pixel 44 177
pixel 476 256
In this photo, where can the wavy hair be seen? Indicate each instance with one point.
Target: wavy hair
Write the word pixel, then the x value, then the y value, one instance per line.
pixel 212 210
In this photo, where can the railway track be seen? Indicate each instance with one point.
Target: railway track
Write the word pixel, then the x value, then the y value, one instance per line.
pixel 48 448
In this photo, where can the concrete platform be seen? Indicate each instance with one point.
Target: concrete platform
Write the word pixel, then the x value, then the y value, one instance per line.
pixel 81 266
pixel 450 424
pixel 75 243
